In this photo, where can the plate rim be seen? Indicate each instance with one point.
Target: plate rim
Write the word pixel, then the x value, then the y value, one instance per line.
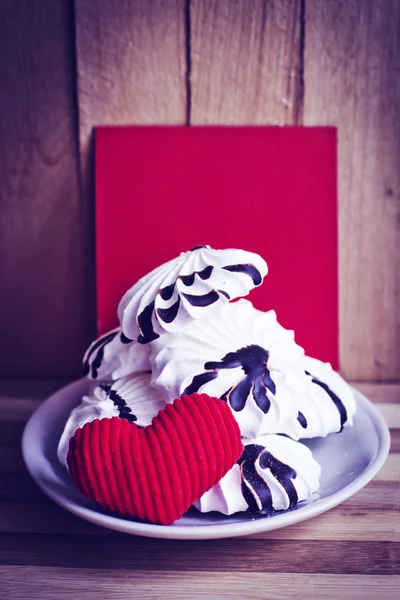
pixel 217 531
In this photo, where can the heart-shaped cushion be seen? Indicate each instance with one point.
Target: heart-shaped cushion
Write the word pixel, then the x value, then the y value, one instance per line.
pixel 156 473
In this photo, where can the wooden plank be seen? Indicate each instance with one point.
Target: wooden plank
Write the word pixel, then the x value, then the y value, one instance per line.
pixel 395 440
pixel 17 410
pixel 41 250
pixel 45 583
pixel 390 470
pixel 251 555
pixel 29 388
pixel 389 393
pixel 391 414
pixel 245 62
pixel 11 459
pixel 376 495
pixel 340 524
pixel 352 80
pixel 10 434
pixel 131 64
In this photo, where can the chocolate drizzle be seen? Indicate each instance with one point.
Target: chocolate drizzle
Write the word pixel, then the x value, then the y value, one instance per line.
pixel 255 488
pixel 168 314
pixel 257 380
pixel 187 280
pixel 249 270
pixel 124 411
pixel 124 339
pixel 205 273
pixel 204 300
pixel 198 381
pixel 335 399
pixel 97 350
pixel 147 333
pixel 302 420
pixel 224 294
pixel 166 293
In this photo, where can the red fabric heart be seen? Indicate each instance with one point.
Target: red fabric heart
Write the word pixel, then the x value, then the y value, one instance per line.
pixel 156 473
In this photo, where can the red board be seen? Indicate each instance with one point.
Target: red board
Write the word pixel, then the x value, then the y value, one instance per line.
pixel 270 190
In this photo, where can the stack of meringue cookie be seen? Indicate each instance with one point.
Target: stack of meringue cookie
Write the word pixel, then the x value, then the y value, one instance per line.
pixel 179 334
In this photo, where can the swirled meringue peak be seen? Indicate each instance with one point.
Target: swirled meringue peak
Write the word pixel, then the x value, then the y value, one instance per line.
pixel 129 398
pixel 241 355
pixel 187 288
pixel 274 473
pixel 112 356
pixel 330 404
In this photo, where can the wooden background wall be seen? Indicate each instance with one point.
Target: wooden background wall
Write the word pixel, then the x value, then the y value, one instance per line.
pixel 67 66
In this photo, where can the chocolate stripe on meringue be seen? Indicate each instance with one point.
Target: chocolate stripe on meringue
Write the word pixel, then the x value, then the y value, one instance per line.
pixel 249 270
pixel 254 360
pixel 147 333
pixel 204 274
pixel 224 294
pixel 167 291
pixel 335 399
pixel 187 280
pixel 204 300
pixel 301 419
pixel 198 381
pixel 169 314
pixel 124 339
pixel 92 367
pixel 255 488
pixel 124 411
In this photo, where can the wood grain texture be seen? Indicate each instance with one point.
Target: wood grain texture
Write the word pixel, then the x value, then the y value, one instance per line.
pixel 378 393
pixel 395 440
pixel 352 80
pixel 245 62
pixel 131 69
pixel 46 583
pixel 339 524
pixel 42 301
pixel 249 555
pixel 131 63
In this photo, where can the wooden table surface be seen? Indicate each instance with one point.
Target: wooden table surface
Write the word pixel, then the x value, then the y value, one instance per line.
pixel 45 552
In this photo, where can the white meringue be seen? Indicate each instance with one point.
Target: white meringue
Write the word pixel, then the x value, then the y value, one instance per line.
pixel 112 356
pixel 330 404
pixel 130 397
pixel 274 473
pixel 186 288
pixel 239 354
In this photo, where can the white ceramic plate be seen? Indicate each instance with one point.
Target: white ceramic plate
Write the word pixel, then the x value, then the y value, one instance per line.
pixel 349 460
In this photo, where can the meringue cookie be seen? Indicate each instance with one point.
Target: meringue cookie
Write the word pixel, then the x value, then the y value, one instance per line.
pixel 329 406
pixel 112 356
pixel 186 288
pixel 130 398
pixel 274 473
pixel 241 355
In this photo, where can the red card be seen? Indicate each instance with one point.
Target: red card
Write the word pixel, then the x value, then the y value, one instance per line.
pixel 270 190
